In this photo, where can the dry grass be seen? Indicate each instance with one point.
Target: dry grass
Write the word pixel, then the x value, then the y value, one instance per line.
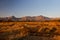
pixel 18 30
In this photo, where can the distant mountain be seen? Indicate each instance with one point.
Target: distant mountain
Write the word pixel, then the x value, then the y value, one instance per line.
pixel 27 18
pixel 35 18
pixel 11 18
pixel 41 18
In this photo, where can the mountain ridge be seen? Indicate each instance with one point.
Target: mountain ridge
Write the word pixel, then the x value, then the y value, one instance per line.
pixel 28 18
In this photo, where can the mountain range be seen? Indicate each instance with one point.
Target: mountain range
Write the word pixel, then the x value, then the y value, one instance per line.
pixel 27 18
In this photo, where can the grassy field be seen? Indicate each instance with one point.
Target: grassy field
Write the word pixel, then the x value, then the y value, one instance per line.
pixel 24 30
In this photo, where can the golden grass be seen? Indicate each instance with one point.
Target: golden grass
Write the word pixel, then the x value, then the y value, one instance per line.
pixel 16 30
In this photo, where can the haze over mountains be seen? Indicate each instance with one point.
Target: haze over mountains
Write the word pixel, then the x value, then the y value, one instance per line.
pixel 27 18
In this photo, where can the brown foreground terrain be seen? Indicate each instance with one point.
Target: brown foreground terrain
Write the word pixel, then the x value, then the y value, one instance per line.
pixel 30 30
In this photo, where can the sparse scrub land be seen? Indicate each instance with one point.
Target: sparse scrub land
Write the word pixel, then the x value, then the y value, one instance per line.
pixel 30 30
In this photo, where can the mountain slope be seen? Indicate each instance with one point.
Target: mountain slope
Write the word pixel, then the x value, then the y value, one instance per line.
pixel 26 18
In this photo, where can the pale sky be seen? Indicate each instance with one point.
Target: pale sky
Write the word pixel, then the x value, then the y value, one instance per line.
pixel 19 8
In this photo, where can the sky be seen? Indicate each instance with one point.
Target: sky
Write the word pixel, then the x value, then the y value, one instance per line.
pixel 20 8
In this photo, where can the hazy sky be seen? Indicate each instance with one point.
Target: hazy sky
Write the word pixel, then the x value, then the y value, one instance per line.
pixel 21 8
